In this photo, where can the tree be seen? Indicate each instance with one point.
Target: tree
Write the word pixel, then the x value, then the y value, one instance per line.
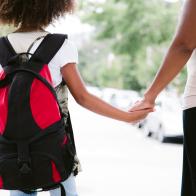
pixel 134 27
pixel 4 29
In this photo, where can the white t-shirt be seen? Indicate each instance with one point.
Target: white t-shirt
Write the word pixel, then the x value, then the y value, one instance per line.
pixel 68 53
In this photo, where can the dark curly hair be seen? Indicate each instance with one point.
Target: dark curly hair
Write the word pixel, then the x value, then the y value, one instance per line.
pixel 33 14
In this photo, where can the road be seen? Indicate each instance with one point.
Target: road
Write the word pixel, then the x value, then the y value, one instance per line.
pixel 118 160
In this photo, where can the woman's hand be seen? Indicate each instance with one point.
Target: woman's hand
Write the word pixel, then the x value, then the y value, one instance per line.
pixel 143 104
pixel 84 98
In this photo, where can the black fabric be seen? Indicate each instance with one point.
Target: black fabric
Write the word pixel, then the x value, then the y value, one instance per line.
pixel 26 151
pixel 31 46
pixel 5 52
pixel 46 51
pixel 19 92
pixel 28 69
pixel 189 158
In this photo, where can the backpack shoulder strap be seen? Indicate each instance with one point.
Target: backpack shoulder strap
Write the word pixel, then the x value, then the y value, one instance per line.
pixel 48 48
pixel 43 54
pixel 6 51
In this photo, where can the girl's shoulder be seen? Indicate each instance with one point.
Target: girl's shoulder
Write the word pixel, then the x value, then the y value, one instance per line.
pixel 69 47
pixel 68 53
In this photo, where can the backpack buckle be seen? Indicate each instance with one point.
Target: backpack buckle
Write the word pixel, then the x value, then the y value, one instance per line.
pixel 24 161
pixel 24 167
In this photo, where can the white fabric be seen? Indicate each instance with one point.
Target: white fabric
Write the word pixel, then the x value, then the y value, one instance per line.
pixel 67 54
pixel 190 88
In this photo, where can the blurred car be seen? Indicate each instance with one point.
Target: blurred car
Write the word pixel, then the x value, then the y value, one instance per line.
pixel 166 121
pixel 95 91
pixel 120 98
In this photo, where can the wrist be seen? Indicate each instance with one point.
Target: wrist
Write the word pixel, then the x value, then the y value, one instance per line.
pixel 126 117
pixel 150 97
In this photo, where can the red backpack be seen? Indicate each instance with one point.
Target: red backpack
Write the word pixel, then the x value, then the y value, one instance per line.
pixel 36 151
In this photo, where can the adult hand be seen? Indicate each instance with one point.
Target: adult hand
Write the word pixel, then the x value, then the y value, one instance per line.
pixel 143 104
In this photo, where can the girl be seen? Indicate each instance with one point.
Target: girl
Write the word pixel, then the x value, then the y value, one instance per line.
pixel 31 17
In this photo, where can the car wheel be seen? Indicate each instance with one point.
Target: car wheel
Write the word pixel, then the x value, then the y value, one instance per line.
pixel 140 125
pixel 147 132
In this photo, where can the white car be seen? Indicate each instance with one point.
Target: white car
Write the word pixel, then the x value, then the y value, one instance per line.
pixel 95 91
pixel 120 98
pixel 166 121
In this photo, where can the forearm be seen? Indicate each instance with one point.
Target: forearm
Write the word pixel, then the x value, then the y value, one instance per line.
pixel 174 61
pixel 99 106
pixel 180 51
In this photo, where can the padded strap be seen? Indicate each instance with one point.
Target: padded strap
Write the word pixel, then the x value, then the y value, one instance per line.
pixel 43 80
pixel 31 46
pixel 45 51
pixel 48 48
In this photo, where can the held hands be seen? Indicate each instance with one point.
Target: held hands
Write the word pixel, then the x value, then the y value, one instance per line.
pixel 141 109
pixel 137 115
pixel 143 104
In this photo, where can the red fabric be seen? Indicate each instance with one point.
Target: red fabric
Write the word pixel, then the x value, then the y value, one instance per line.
pixel 44 107
pixel 1 182
pixel 45 73
pixel 55 174
pixel 3 108
pixel 65 140
pixel 2 75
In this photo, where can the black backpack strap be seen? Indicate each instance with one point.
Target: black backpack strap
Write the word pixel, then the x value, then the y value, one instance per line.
pixel 45 51
pixel 32 44
pixel 48 48
pixel 6 52
pixel 70 131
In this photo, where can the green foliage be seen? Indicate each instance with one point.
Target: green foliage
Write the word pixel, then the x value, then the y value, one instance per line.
pixel 5 29
pixel 133 28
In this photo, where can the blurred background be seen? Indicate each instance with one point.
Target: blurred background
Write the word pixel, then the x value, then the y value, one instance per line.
pixel 121 45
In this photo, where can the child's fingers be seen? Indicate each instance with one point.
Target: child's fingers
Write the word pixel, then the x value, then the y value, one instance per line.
pixel 145 111
pixel 136 116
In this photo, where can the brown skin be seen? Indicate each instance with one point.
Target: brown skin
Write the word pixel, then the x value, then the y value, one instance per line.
pixel 177 56
pixel 34 15
pixel 74 82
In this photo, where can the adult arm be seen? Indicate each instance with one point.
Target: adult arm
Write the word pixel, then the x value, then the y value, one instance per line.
pixel 179 52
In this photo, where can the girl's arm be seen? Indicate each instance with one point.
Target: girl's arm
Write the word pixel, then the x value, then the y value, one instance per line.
pixel 177 56
pixel 84 98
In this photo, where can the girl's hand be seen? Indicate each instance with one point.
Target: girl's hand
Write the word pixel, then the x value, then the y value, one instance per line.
pixel 77 88
pixel 137 115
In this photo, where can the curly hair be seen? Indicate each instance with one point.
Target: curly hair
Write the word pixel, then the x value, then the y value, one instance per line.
pixel 33 14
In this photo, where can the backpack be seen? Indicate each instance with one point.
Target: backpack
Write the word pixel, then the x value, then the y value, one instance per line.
pixel 37 148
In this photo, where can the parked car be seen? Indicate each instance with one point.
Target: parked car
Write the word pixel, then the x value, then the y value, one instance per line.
pixel 95 91
pixel 166 121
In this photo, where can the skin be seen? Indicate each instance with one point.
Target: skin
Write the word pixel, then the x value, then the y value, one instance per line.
pixel 179 52
pixel 74 82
